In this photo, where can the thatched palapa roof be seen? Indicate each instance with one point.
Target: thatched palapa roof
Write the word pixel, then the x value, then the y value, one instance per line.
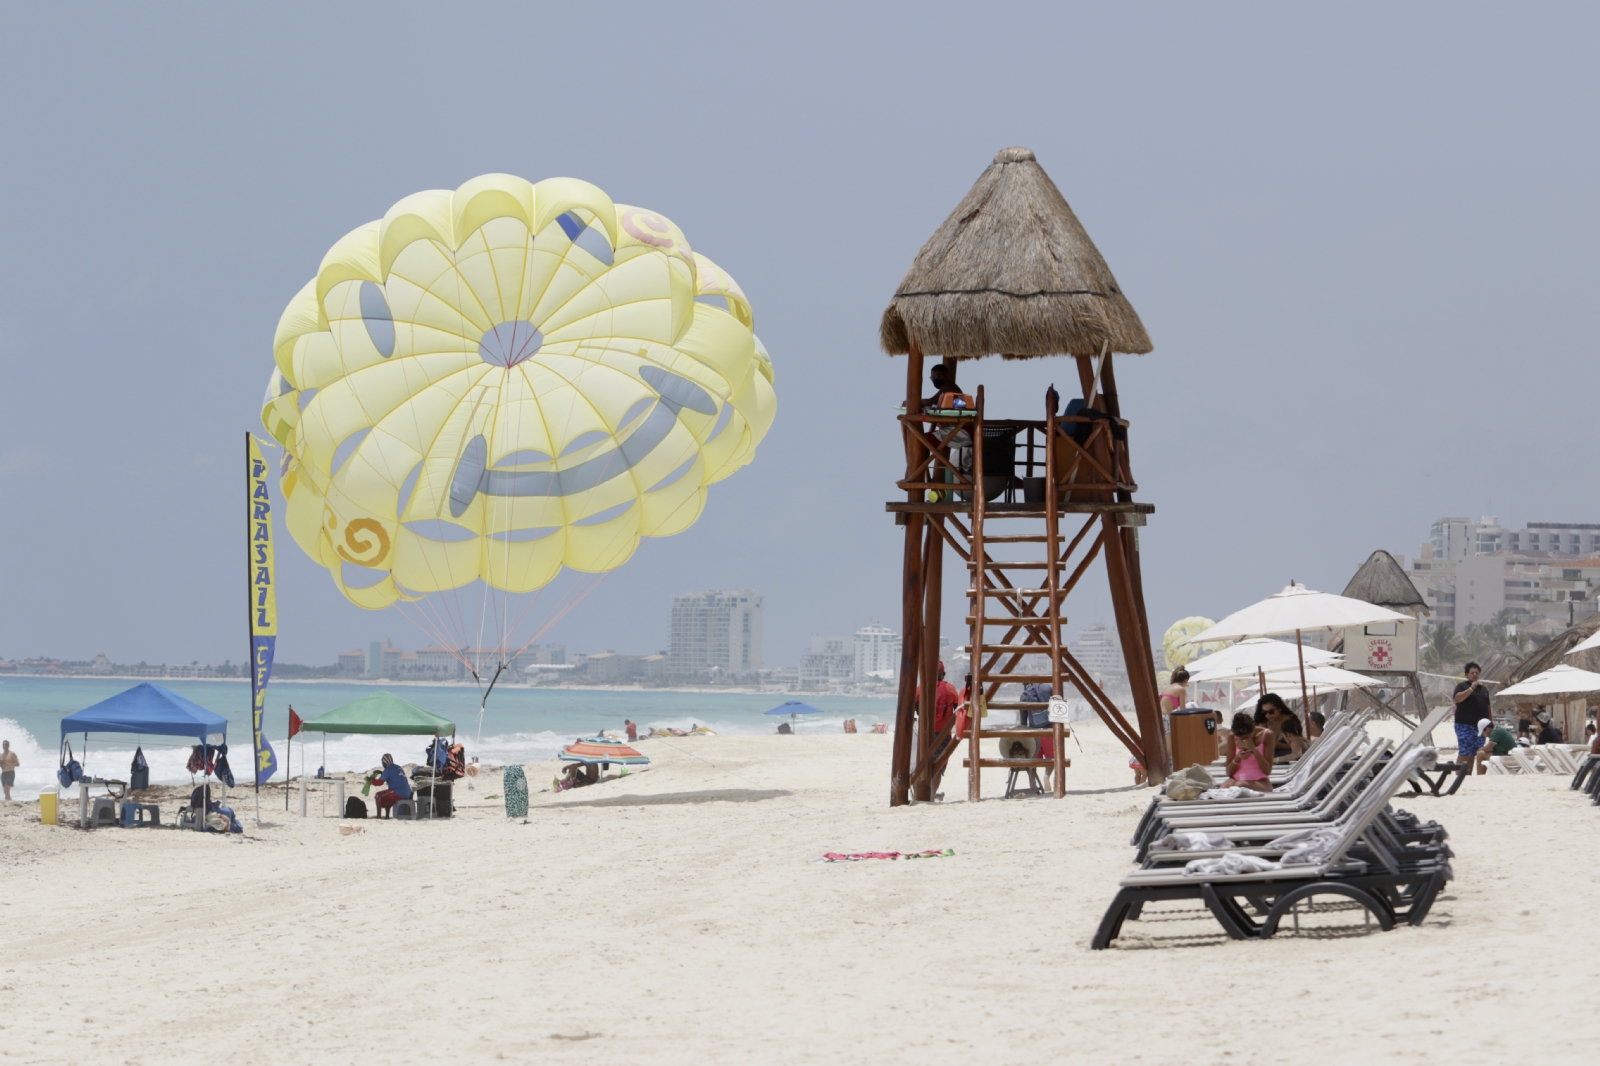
pixel 1011 272
pixel 1382 581
pixel 1555 652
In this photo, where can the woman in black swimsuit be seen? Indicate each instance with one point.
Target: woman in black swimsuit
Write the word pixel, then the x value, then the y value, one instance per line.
pixel 1288 739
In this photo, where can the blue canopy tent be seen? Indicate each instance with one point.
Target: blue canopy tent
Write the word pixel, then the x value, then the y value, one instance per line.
pixel 150 709
pixel 793 708
pixel 146 709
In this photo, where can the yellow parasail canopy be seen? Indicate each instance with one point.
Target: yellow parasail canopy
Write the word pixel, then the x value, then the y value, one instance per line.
pixel 495 382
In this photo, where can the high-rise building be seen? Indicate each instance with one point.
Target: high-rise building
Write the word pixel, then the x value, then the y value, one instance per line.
pixel 1099 652
pixel 383 659
pixel 877 652
pixel 1470 572
pixel 718 631
pixel 827 661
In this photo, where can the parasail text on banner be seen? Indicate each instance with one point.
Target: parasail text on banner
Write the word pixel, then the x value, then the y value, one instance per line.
pixel 263 603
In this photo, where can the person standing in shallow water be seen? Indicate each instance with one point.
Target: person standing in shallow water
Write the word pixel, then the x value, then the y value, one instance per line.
pixel 8 767
pixel 633 730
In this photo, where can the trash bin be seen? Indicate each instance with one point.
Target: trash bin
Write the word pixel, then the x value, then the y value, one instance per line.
pixel 999 459
pixel 1194 736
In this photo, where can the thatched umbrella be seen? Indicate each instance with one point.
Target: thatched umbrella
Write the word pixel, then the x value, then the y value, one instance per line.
pixel 1382 581
pixel 1011 272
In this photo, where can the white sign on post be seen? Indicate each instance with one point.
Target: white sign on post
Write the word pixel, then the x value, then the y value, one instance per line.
pixel 1389 648
pixel 1059 711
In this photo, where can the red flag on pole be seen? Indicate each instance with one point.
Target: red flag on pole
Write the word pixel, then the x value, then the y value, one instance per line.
pixel 295 721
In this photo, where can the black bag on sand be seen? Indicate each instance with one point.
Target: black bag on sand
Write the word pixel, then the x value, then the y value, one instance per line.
pixel 355 807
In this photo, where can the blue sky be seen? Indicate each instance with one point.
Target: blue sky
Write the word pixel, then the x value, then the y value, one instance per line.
pixel 1361 237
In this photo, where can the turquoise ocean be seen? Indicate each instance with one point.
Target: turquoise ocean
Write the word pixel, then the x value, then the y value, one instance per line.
pixel 521 725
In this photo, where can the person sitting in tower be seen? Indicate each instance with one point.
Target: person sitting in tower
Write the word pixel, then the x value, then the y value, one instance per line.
pixel 944 384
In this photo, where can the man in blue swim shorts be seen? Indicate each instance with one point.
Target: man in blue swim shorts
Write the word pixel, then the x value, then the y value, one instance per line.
pixel 1472 706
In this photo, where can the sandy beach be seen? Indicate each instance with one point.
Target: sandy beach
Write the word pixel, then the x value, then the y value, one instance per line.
pixel 673 916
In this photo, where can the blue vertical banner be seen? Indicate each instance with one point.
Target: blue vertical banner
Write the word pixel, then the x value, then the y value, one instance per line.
pixel 263 604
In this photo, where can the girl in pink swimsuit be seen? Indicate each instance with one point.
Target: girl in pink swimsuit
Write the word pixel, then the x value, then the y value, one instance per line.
pixel 1249 755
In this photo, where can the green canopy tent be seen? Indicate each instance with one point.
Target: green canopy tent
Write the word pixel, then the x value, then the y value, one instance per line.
pixel 383 713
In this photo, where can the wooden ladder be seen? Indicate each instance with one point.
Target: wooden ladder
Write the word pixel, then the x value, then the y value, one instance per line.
pixel 1020 600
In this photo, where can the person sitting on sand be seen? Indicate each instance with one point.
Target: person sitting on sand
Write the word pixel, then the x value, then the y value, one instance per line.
pixel 1288 741
pixel 577 775
pixel 1497 740
pixel 1249 755
pixel 398 788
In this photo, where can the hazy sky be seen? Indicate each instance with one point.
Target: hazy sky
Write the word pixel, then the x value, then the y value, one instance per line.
pixel 1362 238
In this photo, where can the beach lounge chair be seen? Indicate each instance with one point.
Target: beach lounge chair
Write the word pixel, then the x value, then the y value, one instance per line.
pixel 1328 807
pixel 1555 757
pixel 1587 768
pixel 1388 886
pixel 1399 833
pixel 1314 774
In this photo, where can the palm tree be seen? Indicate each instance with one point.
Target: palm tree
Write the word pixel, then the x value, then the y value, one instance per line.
pixel 1502 621
pixel 1444 650
pixel 1481 642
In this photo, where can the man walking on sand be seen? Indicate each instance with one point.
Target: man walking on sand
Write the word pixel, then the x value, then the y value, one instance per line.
pixel 8 767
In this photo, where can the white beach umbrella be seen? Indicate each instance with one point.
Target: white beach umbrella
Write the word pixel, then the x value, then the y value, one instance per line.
pixel 1560 680
pixel 1295 610
pixel 1249 657
pixel 1322 679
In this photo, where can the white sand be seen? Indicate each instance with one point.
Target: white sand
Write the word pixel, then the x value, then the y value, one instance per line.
pixel 672 916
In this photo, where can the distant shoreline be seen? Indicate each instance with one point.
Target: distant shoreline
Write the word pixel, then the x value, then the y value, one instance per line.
pixel 733 690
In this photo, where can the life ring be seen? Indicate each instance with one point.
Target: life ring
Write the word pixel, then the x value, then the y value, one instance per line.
pixel 472 769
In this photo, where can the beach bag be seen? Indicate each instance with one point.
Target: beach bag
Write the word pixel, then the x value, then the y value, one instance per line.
pixel 516 790
pixel 139 772
pixel 355 807
pixel 223 771
pixel 71 771
pixel 1188 784
pixel 438 755
pixel 234 825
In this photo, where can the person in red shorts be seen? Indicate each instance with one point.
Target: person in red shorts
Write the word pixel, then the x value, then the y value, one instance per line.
pixel 398 787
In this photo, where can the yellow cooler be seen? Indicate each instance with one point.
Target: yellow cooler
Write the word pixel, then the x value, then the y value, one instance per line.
pixel 47 808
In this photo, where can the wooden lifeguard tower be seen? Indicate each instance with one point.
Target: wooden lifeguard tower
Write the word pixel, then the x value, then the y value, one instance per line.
pixel 1027 505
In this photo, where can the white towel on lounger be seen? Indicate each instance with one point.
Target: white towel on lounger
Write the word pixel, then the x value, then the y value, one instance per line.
pixel 1237 792
pixel 1191 842
pixel 1230 864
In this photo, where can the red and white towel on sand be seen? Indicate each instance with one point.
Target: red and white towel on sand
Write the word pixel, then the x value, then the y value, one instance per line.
pixel 858 856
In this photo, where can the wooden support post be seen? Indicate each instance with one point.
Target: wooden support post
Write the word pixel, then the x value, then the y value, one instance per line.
pixel 911 594
pixel 932 577
pixel 1141 668
pixel 1052 539
pixel 980 604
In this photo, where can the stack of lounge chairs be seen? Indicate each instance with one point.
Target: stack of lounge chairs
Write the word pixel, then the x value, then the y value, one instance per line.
pixel 1534 759
pixel 1586 778
pixel 1326 829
